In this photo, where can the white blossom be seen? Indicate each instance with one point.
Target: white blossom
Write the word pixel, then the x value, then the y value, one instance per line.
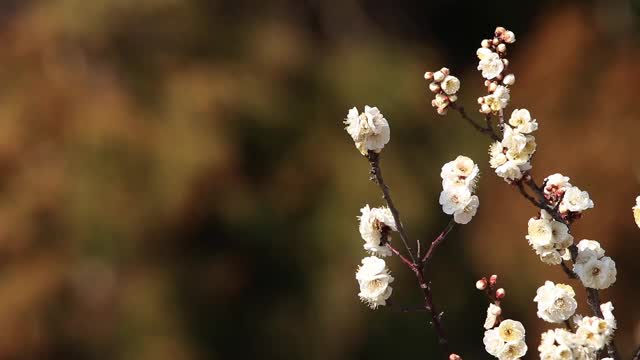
pixel 460 172
pixel 596 273
pixel 556 183
pixel 509 171
pixel 588 249
pixel 465 215
pixel 490 63
pixel 549 238
pixel 521 120
pixel 454 199
pixel 374 279
pixel 372 222
pixel 506 342
pixel 594 332
pixel 556 302
pixel 499 99
pixel 575 200
pixel 636 211
pixel 450 85
pixel 512 351
pixel 560 344
pixel 369 130
pixel 497 155
pixel 493 311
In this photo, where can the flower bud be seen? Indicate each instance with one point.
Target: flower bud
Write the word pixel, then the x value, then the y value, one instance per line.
pixel 434 87
pixel 428 75
pixel 438 76
pixel 454 357
pixel 509 37
pixel 495 41
pixel 445 71
pixel 505 62
pixel 509 79
pixel 480 100
pixel 496 310
pixel 500 30
pixel 492 87
pixel 485 109
pixel 485 43
pixel 453 98
pixel 481 284
pixel 442 110
pixel 493 279
pixel 502 48
pixel 500 293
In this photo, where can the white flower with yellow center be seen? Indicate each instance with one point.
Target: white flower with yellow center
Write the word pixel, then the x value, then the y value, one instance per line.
pixel 596 273
pixel 373 222
pixel 465 215
pixel 512 351
pixel 460 172
pixel 509 171
pixel 506 342
pixel 374 279
pixel 521 120
pixel 556 302
pixel 490 63
pixel 369 130
pixel 575 200
pixel 450 85
pixel 498 100
pixel 511 331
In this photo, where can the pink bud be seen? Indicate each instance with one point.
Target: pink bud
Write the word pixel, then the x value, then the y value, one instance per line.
pixel 442 110
pixel 438 76
pixel 434 87
pixel 493 279
pixel 428 75
pixel 500 293
pixel 454 357
pixel 481 284
pixel 445 71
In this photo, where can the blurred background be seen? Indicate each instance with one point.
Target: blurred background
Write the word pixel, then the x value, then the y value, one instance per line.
pixel 176 183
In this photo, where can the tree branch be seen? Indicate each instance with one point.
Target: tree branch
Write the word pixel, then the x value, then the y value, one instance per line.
pixel 435 243
pixel 376 172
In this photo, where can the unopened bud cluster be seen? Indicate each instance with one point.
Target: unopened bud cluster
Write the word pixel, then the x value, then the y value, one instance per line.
pixel 444 86
pixel 493 65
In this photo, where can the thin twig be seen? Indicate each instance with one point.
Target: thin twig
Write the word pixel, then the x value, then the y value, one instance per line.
pixel 437 241
pixel 487 131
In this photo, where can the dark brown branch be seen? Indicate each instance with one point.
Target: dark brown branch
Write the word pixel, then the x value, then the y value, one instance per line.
pixel 435 316
pixel 435 243
pixel 376 172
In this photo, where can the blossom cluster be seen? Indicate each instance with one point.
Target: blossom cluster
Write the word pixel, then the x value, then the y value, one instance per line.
pixel 445 87
pixel 571 201
pixel 493 65
pixel 550 239
pixel 369 130
pixel 595 270
pixel 373 275
pixel 511 156
pixel 583 341
pixel 459 179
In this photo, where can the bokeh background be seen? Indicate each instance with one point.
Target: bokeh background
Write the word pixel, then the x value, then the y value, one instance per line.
pixel 175 181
